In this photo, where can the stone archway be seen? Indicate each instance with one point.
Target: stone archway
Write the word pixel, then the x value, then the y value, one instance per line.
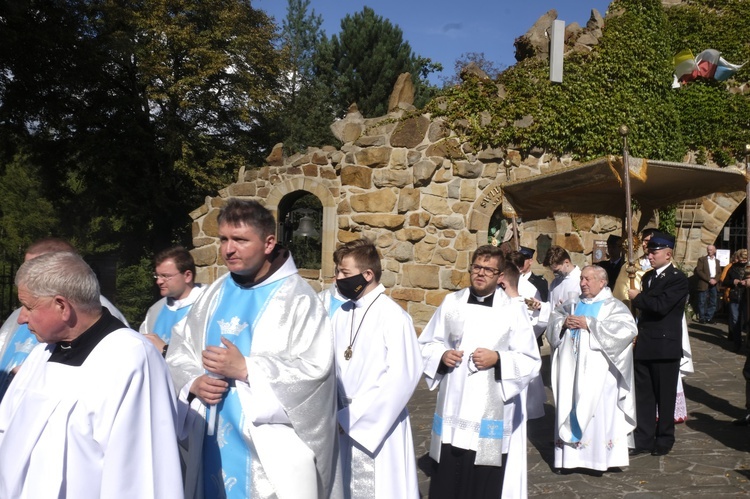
pixel 329 221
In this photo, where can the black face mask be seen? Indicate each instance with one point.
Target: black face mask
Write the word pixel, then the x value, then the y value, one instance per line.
pixel 352 287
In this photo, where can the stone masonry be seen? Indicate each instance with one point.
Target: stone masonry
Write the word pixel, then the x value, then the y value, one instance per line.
pixel 407 182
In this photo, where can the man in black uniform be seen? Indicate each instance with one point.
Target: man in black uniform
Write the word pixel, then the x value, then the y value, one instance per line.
pixel 538 281
pixel 658 347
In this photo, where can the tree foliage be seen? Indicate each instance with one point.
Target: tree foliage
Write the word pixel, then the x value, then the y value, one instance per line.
pixel 368 55
pixel 625 80
pixel 479 59
pixel 132 111
pixel 305 109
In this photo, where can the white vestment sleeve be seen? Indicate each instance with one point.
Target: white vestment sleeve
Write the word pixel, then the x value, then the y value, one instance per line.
pixel 432 345
pixel 521 363
pixel 142 426
pixel 372 413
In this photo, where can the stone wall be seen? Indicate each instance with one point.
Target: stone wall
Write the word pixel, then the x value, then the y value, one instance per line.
pixel 407 183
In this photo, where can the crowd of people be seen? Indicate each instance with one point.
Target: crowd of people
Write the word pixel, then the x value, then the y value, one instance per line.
pixel 256 386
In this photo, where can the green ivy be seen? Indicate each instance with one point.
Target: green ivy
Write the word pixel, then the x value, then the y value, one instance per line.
pixel 625 79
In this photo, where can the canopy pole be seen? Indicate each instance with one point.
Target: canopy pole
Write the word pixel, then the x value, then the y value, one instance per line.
pixel 747 197
pixel 508 164
pixel 624 130
pixel 747 217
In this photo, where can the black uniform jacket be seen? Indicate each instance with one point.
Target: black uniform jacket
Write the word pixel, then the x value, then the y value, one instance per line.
pixel 662 306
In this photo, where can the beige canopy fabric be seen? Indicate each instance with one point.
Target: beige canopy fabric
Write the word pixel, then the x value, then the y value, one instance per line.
pixel 597 187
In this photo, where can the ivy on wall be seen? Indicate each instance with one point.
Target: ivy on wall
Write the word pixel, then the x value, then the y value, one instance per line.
pixel 626 79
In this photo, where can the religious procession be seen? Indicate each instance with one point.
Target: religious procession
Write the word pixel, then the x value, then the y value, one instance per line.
pixel 470 291
pixel 257 386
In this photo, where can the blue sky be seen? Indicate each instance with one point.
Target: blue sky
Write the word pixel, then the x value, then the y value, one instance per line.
pixel 443 30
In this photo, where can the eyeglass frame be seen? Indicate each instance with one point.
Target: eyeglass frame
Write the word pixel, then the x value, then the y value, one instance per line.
pixel 165 278
pixel 479 270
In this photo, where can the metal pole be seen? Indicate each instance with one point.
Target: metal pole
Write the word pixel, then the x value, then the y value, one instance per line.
pixel 743 316
pixel 508 164
pixel 628 205
pixel 747 198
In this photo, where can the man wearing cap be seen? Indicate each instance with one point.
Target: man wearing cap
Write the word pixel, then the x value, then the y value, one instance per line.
pixel 658 347
pixel 708 271
pixel 539 282
pixel 614 264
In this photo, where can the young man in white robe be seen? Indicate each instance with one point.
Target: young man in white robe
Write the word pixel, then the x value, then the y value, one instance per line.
pixel 378 366
pixel 91 414
pixel 16 341
pixel 511 282
pixel 253 366
pixel 479 426
pixel 592 377
pixel 566 284
pixel 174 272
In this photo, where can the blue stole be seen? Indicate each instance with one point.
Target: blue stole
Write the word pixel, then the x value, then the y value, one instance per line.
pixel 18 347
pixel 227 460
pixel 334 304
pixel 588 310
pixel 166 320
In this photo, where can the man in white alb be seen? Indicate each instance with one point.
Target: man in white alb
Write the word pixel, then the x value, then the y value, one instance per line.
pixel 16 341
pixel 253 366
pixel 566 284
pixel 479 426
pixel 91 414
pixel 175 275
pixel 378 366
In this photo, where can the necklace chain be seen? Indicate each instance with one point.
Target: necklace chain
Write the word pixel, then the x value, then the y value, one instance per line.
pixel 352 334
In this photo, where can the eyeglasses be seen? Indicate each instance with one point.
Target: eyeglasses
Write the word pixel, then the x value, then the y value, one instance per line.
pixel 478 269
pixel 164 277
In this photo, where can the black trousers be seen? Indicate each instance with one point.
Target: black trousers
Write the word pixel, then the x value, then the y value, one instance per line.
pixel 457 477
pixel 746 375
pixel 655 387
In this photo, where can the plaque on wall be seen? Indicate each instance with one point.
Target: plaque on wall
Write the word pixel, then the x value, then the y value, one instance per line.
pixel 599 251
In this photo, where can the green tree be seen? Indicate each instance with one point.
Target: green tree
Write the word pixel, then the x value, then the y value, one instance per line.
pixel 134 111
pixel 306 108
pixel 368 55
pixel 26 214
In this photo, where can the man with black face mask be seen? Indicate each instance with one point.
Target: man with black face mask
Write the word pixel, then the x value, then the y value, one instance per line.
pixel 378 366
pixel 566 284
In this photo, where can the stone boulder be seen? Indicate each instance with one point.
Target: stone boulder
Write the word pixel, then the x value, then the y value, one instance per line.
pixel 403 93
pixel 535 43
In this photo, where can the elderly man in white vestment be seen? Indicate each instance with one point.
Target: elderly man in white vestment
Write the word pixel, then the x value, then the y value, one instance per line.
pixel 16 341
pixel 479 426
pixel 592 376
pixel 253 366
pixel 91 414
pixel 378 366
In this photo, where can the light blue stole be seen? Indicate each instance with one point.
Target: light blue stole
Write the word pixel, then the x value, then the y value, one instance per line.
pixel 227 460
pixel 588 310
pixel 20 344
pixel 166 320
pixel 334 304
